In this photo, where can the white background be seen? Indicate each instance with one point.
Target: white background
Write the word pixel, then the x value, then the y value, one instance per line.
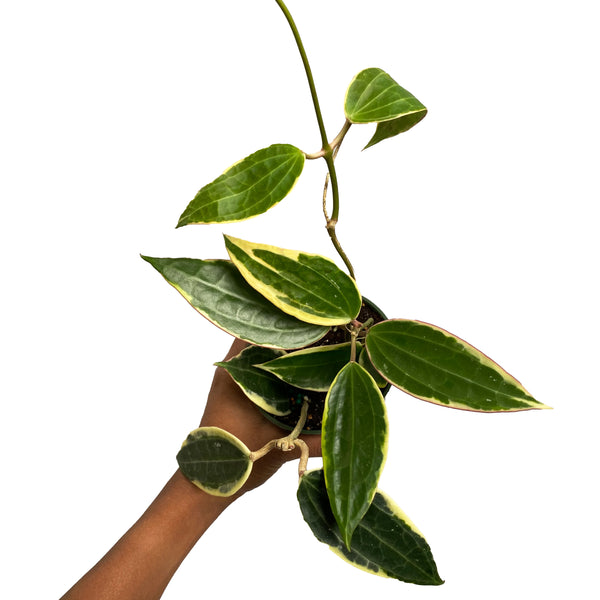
pixel 480 220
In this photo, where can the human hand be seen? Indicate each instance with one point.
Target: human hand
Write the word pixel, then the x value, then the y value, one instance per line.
pixel 228 407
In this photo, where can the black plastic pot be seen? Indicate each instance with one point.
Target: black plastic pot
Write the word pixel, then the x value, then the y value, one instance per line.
pixel 317 399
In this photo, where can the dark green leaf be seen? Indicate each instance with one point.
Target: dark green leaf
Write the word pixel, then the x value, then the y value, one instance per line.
pixel 385 541
pixel 215 461
pixel 365 362
pixel 312 368
pixel 216 290
pixel 248 188
pixel 434 365
pixel 309 287
pixel 264 389
pixel 354 444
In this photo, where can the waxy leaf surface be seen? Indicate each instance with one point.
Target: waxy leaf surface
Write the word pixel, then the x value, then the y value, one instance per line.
pixel 310 368
pixel 434 365
pixel 365 362
pixel 374 97
pixel 307 286
pixel 216 290
pixel 248 188
pixel 385 541
pixel 388 129
pixel 264 389
pixel 354 445
pixel 215 461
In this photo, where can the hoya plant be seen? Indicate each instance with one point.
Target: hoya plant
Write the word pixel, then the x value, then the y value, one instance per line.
pixel 320 358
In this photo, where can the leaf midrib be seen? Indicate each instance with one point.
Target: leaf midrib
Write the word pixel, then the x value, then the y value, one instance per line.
pixel 248 189
pixel 441 369
pixel 216 313
pixel 286 278
pixel 361 525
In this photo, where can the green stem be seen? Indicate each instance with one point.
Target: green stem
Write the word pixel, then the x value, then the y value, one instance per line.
pixel 353 336
pixel 326 148
pixel 307 69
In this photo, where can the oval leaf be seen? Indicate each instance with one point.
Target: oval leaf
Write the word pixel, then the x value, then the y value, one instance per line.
pixel 215 461
pixel 309 287
pixel 310 368
pixel 248 188
pixel 385 541
pixel 434 365
pixel 264 389
pixel 354 445
pixel 217 291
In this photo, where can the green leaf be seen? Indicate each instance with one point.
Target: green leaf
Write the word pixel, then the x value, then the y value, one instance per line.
pixel 354 445
pixel 374 97
pixel 388 129
pixel 311 368
pixel 365 362
pixel 264 389
pixel 215 461
pixel 434 365
pixel 248 188
pixel 307 286
pixel 385 541
pixel 216 290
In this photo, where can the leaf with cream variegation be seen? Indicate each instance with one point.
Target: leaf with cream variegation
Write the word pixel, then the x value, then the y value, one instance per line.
pixel 248 188
pixel 386 542
pixel 215 461
pixel 354 444
pixel 310 287
pixel 434 365
pixel 217 291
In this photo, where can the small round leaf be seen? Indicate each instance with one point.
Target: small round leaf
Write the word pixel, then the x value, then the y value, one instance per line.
pixel 215 461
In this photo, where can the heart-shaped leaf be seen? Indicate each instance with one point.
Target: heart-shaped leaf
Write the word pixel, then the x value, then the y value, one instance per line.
pixel 217 291
pixel 264 389
pixel 434 365
pixel 248 188
pixel 312 368
pixel 354 445
pixel 374 97
pixel 310 287
pixel 385 541
pixel 215 461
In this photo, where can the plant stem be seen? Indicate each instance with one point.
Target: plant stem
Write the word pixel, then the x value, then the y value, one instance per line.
pixel 353 337
pixel 307 69
pixel 303 462
pixel 327 152
pixel 289 439
pixel 289 442
pixel 334 144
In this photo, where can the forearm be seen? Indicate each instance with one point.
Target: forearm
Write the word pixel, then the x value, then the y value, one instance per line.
pixel 142 562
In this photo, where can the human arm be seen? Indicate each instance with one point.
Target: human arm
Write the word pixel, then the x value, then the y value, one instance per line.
pixel 142 562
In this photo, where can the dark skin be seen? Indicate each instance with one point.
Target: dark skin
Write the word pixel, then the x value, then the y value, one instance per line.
pixel 141 564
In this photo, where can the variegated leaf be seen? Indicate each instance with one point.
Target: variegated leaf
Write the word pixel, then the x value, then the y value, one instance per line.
pixel 310 287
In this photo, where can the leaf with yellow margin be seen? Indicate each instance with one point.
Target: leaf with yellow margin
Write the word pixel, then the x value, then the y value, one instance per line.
pixel 310 287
